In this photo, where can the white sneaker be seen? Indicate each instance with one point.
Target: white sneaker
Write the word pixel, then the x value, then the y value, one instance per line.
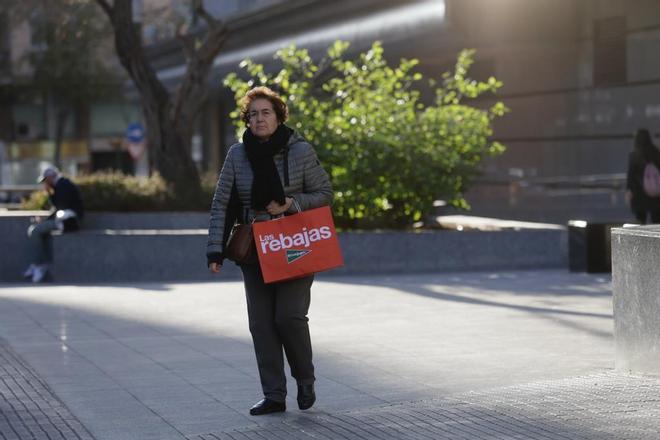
pixel 29 271
pixel 39 273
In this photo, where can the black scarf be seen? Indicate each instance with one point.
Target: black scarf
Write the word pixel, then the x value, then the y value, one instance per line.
pixel 266 184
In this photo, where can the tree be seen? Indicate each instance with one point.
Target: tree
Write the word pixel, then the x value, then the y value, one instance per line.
pixel 67 68
pixel 169 119
pixel 390 154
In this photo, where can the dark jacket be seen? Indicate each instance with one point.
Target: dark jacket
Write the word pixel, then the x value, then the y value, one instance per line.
pixel 66 195
pixel 635 182
pixel 302 176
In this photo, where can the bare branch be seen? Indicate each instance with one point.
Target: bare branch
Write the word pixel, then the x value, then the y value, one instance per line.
pixel 106 6
pixel 166 140
pixel 131 54
pixel 193 87
pixel 216 34
pixel 211 21
pixel 215 39
pixel 187 43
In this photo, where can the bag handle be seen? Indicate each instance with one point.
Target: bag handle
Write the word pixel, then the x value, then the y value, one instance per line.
pixel 294 203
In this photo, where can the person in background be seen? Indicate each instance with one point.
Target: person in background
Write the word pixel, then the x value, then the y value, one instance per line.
pixel 66 215
pixel 643 165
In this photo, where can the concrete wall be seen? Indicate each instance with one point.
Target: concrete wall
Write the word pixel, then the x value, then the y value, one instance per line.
pixel 146 220
pixel 443 251
pixel 560 119
pixel 636 296
pixel 13 247
pixel 129 255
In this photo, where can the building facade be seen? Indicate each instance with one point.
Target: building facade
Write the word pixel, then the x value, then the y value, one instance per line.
pixel 579 78
pixel 29 112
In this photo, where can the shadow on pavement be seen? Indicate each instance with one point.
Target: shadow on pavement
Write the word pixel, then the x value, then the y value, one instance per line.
pixel 149 374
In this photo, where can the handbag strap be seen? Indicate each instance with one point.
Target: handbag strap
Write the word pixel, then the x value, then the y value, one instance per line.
pixel 296 204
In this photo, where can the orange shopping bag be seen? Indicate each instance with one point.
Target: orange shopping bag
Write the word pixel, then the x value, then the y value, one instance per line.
pixel 297 245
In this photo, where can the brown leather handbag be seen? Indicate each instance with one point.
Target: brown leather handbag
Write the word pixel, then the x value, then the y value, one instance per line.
pixel 240 246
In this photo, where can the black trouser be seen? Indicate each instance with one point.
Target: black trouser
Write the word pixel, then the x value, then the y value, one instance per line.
pixel 642 213
pixel 278 319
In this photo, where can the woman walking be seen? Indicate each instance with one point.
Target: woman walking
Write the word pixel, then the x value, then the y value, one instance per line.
pixel 273 172
pixel 643 165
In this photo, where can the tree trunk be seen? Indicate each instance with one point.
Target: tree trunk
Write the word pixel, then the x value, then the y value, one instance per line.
pixel 168 122
pixel 168 148
pixel 60 124
pixel 168 154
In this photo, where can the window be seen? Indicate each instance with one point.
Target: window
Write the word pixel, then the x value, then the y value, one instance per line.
pixel 609 51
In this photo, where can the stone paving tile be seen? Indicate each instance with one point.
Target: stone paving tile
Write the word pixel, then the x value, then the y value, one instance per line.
pixel 124 360
pixel 28 407
pixel 604 406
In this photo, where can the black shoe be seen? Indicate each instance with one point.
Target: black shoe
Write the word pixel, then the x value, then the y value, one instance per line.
pixel 267 406
pixel 306 396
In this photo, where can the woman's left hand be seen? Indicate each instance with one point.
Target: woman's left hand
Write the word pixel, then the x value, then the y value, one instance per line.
pixel 275 208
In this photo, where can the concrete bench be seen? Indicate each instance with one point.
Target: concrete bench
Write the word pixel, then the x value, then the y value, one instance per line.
pixel 110 255
pixel 178 255
pixel 146 220
pixel 133 255
pixel 636 298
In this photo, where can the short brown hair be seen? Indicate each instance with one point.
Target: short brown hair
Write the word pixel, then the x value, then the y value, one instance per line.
pixel 262 92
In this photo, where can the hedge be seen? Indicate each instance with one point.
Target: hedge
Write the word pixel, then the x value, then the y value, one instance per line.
pixel 114 191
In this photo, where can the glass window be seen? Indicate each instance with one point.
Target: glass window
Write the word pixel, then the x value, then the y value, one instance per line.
pixel 29 122
pixel 610 51
pixel 112 119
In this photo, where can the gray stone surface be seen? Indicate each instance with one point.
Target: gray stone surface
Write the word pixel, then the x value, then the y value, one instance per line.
pixel 13 242
pixel 594 407
pixel 132 255
pixel 28 407
pixel 399 356
pixel 405 252
pixel 179 255
pixel 147 220
pixel 636 293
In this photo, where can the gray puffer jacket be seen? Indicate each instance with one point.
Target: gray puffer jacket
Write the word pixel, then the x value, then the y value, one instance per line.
pixel 302 176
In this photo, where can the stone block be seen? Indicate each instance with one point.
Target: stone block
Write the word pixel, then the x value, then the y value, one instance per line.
pixel 636 298
pixel 589 246
pixel 166 247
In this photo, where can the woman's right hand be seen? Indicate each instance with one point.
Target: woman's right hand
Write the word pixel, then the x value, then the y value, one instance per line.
pixel 215 267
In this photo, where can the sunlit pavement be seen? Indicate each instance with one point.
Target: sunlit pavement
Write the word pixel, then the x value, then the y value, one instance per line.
pixel 170 361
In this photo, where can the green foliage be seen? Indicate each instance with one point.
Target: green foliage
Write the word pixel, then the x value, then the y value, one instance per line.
pixel 115 191
pixel 390 153
pixel 36 201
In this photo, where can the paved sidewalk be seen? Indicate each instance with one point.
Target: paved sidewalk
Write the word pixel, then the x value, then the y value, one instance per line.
pixel 28 407
pixel 471 355
pixel 597 407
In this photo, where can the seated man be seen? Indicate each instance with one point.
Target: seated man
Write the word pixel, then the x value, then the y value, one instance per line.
pixel 66 216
